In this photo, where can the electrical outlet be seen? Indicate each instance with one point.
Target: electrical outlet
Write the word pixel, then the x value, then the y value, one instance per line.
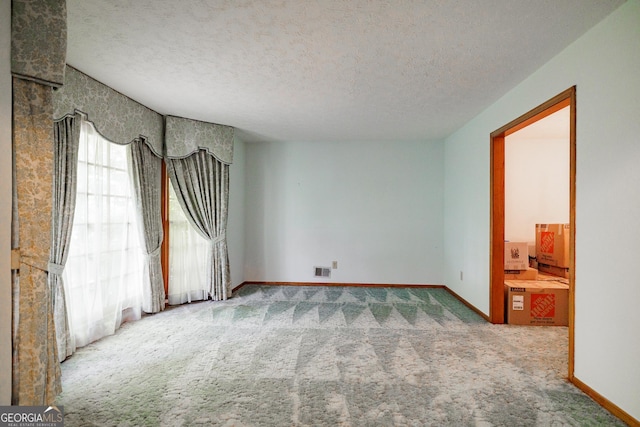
pixel 334 265
pixel 460 275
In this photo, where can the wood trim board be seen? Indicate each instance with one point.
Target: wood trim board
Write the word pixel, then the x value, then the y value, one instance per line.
pixel 606 403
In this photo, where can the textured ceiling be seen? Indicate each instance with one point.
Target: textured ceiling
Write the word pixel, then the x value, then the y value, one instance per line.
pixel 323 70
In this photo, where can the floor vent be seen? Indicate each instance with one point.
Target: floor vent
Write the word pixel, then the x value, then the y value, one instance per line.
pixel 322 271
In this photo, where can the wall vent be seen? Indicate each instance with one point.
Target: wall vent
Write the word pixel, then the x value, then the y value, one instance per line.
pixel 322 271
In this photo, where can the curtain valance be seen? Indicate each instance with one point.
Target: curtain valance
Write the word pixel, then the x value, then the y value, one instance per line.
pixel 184 137
pixel 39 40
pixel 118 118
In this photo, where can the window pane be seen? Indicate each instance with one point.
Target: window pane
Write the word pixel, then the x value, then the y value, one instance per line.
pixel 89 145
pixel 82 183
pixel 119 156
pixel 187 257
pixel 120 184
pixel 82 149
pixel 103 275
pixel 80 216
pixel 94 207
pixel 118 208
pixel 92 180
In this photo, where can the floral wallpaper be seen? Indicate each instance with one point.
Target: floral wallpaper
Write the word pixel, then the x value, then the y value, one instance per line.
pixel 39 40
pixel 33 149
pixel 184 137
pixel 36 374
pixel 117 117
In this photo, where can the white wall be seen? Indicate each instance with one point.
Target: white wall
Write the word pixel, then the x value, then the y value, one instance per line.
pixel 466 213
pixel 604 65
pixel 235 223
pixel 5 202
pixel 376 208
pixel 536 185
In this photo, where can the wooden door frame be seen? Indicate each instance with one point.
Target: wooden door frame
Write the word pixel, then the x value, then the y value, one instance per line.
pixel 497 299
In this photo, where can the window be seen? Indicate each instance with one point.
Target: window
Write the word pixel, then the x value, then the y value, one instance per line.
pixel 187 257
pixel 103 274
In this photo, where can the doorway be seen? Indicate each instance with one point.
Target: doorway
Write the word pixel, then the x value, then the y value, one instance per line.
pixel 497 138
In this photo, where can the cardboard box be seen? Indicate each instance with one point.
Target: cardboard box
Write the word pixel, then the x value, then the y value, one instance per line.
pixel 539 303
pixel 516 255
pixel 545 276
pixel 528 274
pixel 554 271
pixel 552 244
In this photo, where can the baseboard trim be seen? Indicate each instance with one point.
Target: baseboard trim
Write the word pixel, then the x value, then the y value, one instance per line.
pixel 468 304
pixel 605 403
pixel 237 288
pixel 364 285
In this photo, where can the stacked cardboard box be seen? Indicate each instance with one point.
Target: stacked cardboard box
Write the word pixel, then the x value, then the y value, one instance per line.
pixel 552 249
pixel 516 262
pixel 532 302
pixel 553 270
pixel 528 274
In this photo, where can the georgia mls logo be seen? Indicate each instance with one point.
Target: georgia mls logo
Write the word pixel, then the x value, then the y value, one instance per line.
pixel 54 414
pixel 31 416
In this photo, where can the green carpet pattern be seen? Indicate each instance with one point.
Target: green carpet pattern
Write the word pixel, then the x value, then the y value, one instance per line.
pixel 326 356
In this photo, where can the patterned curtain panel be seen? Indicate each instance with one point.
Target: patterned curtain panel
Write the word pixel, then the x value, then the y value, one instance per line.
pixel 65 173
pixel 201 183
pixel 124 121
pixel 146 178
pixel 39 40
pixel 36 372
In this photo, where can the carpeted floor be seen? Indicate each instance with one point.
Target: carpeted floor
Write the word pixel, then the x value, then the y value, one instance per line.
pixel 326 356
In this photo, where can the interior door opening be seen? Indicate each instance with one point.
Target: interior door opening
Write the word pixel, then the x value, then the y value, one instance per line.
pixel 498 211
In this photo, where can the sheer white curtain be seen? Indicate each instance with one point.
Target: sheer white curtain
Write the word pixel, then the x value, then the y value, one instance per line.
pixel 103 274
pixel 187 257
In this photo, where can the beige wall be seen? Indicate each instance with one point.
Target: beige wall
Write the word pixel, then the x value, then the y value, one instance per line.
pixel 537 177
